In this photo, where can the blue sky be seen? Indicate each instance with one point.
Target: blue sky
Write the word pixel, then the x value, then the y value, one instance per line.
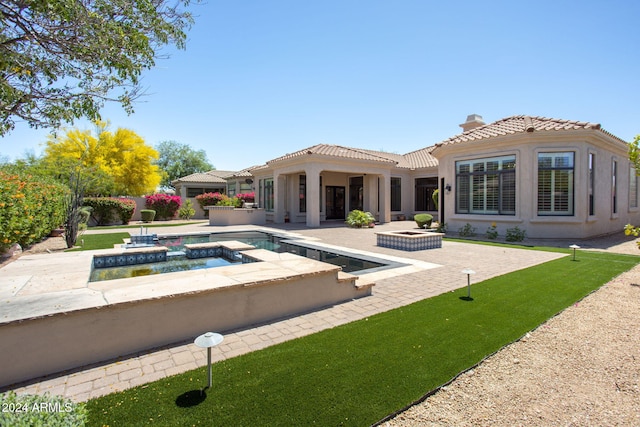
pixel 263 78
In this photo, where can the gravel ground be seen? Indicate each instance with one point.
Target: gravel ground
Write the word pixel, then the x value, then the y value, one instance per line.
pixel 581 368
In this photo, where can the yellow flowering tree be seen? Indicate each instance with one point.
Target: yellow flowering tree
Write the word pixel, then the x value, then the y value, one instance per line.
pixel 116 163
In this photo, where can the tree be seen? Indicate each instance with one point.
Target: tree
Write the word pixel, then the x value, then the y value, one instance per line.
pixel 634 156
pixel 120 163
pixel 61 60
pixel 177 160
pixel 634 153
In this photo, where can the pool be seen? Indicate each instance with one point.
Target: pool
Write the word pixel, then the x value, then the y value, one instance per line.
pixel 171 266
pixel 176 260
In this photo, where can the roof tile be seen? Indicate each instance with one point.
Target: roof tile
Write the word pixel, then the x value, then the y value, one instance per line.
pixel 520 124
pixel 418 159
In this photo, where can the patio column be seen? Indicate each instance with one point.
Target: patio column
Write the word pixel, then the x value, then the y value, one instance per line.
pixel 279 197
pixel 384 191
pixel 313 195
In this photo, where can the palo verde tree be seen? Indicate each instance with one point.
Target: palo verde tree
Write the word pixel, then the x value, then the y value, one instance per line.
pixel 61 60
pixel 119 163
pixel 177 160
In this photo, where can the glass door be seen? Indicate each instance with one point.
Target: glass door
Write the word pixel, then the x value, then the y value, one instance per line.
pixel 335 202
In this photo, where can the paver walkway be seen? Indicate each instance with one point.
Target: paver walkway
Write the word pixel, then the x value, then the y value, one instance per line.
pixel 390 292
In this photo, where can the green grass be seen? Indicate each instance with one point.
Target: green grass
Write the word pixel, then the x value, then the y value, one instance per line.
pixel 359 373
pixel 99 241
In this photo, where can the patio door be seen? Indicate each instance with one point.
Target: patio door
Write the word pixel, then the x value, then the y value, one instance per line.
pixel 335 198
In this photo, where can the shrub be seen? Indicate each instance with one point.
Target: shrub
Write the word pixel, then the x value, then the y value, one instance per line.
pixel 34 410
pixel 492 232
pixel 359 219
pixel 423 220
pixel 147 215
pixel 230 201
pixel 467 231
pixel 209 199
pixel 632 230
pixel 166 206
pixel 515 234
pixel 186 211
pixel 30 207
pixel 84 213
pixel 107 210
pixel 247 197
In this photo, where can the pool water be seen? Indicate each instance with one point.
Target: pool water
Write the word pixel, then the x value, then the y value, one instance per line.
pixel 260 240
pixel 274 243
pixel 170 266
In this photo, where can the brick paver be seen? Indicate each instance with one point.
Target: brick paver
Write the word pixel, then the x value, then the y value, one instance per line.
pixel 389 293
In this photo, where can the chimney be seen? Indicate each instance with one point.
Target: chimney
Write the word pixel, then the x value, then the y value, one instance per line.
pixel 473 121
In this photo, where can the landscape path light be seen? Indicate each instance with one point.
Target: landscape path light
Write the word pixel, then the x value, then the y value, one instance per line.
pixel 574 247
pixel 468 272
pixel 208 340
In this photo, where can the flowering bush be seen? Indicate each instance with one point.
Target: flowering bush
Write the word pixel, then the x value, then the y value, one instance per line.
pixel 166 206
pixel 107 210
pixel 210 199
pixel 632 230
pixel 247 197
pixel 29 208
pixel 492 231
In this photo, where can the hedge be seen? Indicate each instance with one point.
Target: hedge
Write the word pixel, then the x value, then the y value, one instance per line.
pixel 109 210
pixel 30 207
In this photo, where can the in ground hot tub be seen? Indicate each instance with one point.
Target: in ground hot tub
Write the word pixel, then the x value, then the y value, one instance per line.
pixel 409 240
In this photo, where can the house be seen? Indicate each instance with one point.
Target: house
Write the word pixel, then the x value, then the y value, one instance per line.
pixel 325 182
pixel 202 182
pixel 551 178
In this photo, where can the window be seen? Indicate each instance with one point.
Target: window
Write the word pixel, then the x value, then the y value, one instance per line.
pixel 320 194
pixel 302 193
pixel 245 187
pixel 193 192
pixel 424 192
pixel 633 187
pixel 614 187
pixel 555 183
pixel 356 193
pixel 266 193
pixel 486 186
pixel 396 194
pixel 592 183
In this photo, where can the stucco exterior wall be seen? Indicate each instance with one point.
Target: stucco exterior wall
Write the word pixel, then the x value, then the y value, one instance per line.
pixel 526 148
pixel 39 346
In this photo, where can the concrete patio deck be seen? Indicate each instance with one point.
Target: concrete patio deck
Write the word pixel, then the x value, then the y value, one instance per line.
pixel 427 273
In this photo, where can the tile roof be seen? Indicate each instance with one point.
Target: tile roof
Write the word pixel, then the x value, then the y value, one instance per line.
pixel 521 124
pixel 244 173
pixel 336 151
pixel 421 158
pixel 210 177
pixel 418 159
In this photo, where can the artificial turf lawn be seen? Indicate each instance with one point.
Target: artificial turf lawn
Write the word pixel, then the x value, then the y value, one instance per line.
pixel 92 242
pixel 359 373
